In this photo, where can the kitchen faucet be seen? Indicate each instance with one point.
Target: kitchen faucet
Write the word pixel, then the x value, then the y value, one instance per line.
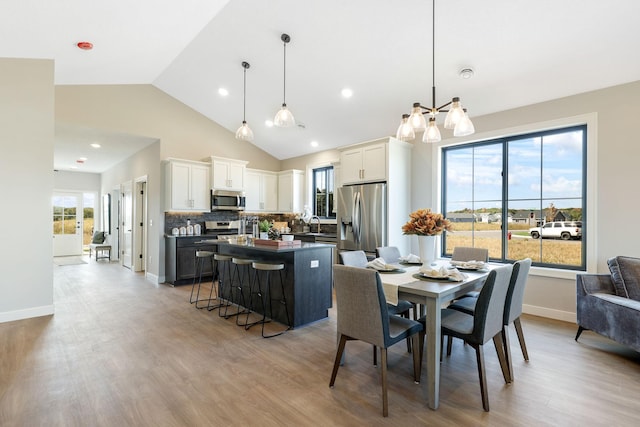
pixel 311 220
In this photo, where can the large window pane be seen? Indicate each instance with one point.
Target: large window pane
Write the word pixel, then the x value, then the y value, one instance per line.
pixel 534 209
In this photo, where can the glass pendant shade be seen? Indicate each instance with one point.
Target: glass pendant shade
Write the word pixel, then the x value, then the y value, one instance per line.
pixel 464 126
pixel 405 130
pixel 432 134
pixel 244 132
pixel 416 119
pixel 284 118
pixel 455 114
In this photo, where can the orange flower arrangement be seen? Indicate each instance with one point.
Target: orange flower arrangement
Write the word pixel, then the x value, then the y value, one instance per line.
pixel 423 222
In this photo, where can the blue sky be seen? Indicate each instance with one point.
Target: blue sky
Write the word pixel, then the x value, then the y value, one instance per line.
pixel 475 173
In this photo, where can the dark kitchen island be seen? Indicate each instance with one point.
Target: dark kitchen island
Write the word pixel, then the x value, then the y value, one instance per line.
pixel 308 277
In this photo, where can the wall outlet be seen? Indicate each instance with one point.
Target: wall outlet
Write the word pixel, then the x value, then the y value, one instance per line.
pixel 315 263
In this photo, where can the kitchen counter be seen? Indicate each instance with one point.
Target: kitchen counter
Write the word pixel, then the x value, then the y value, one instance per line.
pixel 308 277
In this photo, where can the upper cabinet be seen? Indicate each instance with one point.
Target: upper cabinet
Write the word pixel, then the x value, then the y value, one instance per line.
pixel 291 191
pixel 187 185
pixel 261 191
pixel 365 163
pixel 227 174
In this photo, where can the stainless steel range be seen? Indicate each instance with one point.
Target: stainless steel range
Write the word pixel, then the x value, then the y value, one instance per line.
pixel 221 228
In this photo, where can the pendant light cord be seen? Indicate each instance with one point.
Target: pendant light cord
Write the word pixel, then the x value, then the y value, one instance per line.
pixel 433 56
pixel 244 97
pixel 284 74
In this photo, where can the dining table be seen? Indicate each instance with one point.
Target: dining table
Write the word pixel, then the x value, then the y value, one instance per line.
pixel 407 283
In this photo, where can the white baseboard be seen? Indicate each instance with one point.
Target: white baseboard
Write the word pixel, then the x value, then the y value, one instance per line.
pixel 10 316
pixel 565 316
pixel 153 278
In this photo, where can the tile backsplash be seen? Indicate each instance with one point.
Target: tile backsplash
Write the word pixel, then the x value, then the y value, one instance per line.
pixel 179 219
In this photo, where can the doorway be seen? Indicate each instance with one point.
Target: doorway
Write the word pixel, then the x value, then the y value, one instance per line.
pixel 67 224
pixel 140 223
pixel 127 224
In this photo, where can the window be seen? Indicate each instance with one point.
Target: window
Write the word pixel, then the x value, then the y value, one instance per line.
pixel 323 192
pixel 520 196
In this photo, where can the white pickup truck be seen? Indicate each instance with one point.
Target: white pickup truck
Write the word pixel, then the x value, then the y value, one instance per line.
pixel 564 230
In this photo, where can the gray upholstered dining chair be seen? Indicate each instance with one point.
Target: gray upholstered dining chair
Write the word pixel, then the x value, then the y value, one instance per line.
pixel 359 259
pixel 362 315
pixel 464 253
pixel 390 254
pixel 484 325
pixel 512 309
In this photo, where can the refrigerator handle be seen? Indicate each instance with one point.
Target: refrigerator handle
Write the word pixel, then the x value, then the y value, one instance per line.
pixel 357 217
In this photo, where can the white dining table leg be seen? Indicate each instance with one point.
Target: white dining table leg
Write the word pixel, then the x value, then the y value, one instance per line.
pixel 433 351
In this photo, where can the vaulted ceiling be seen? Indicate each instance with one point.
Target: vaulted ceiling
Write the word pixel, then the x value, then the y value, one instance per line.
pixel 522 52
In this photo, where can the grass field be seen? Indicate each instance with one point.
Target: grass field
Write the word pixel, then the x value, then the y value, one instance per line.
pixel 69 225
pixel 539 250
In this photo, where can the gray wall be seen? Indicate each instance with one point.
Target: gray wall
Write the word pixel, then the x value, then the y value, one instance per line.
pixel 26 185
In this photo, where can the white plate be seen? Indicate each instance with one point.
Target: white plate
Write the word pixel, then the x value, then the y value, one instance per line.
pixel 443 278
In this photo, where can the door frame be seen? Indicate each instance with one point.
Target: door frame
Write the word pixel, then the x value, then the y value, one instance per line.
pixel 79 195
pixel 140 222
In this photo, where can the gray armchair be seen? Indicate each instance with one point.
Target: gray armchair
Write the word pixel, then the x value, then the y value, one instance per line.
pixel 609 304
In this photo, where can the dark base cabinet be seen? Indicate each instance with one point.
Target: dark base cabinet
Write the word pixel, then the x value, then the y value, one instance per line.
pixel 308 280
pixel 180 258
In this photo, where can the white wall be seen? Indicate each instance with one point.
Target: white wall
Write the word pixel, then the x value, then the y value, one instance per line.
pixel 26 185
pixel 77 181
pixel 145 163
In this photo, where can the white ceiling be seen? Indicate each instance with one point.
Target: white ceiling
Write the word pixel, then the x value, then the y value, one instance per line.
pixel 522 52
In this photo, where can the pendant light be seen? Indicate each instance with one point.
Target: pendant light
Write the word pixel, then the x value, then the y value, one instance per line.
pixel 405 130
pixel 457 117
pixel 284 118
pixel 244 132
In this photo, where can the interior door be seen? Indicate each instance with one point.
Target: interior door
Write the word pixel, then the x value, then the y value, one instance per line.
pixel 67 224
pixel 127 224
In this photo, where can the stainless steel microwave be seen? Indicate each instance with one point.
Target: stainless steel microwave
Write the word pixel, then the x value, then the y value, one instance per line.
pixel 222 200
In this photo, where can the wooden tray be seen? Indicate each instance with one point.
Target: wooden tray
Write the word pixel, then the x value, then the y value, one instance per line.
pixel 278 243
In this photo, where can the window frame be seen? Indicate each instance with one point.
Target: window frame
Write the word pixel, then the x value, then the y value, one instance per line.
pixel 314 171
pixel 586 123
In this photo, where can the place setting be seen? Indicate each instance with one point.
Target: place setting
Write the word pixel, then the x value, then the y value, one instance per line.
pixel 410 259
pixel 381 266
pixel 440 274
pixel 468 265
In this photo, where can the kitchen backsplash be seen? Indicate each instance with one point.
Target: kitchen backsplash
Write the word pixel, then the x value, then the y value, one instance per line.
pixel 179 219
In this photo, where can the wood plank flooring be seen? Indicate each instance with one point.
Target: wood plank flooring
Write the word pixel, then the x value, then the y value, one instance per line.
pixel 121 351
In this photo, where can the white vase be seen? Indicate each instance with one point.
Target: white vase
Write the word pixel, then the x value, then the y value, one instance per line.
pixel 427 247
pixel 264 235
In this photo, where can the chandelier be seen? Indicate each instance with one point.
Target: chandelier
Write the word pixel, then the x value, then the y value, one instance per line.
pixel 456 119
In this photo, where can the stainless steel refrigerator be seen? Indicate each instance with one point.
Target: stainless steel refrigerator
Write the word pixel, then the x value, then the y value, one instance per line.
pixel 362 217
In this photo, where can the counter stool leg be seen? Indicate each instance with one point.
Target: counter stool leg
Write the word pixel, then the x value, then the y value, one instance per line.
pixel 256 289
pixel 282 300
pixel 224 286
pixel 240 289
pixel 214 286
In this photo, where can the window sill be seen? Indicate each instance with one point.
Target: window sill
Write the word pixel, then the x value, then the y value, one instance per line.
pixel 556 273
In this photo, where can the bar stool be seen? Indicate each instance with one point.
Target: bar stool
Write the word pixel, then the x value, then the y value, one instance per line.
pixel 265 293
pixel 242 284
pixel 224 283
pixel 201 258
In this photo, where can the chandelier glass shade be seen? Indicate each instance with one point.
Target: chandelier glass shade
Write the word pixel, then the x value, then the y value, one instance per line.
pixel 456 119
pixel 244 132
pixel 284 117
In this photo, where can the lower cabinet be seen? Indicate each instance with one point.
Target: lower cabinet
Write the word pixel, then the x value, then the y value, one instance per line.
pixel 180 259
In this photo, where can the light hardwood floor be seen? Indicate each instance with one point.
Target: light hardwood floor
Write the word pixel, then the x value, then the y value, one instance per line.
pixel 121 351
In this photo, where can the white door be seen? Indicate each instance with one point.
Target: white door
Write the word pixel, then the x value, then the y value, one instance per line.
pixel 67 224
pixel 127 224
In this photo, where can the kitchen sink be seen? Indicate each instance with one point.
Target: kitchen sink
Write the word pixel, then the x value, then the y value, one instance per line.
pixel 317 237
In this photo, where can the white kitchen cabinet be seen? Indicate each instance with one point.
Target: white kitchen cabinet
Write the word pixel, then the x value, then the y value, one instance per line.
pixel 227 174
pixel 261 190
pixel 290 191
pixel 187 185
pixel 367 163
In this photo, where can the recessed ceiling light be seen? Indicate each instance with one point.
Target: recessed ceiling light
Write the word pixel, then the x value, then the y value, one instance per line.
pixel 82 159
pixel 223 92
pixel 268 123
pixel 466 73
pixel 95 145
pixel 314 143
pixel 347 93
